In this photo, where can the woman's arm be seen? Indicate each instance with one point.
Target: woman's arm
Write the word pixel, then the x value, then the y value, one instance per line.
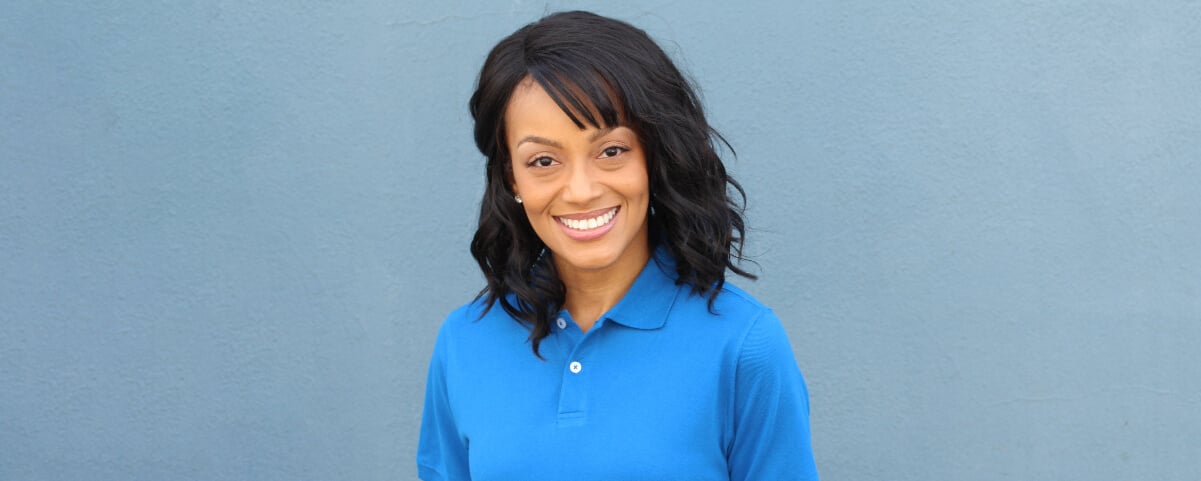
pixel 441 449
pixel 771 409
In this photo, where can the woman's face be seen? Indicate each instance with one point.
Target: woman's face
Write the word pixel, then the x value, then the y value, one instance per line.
pixel 586 192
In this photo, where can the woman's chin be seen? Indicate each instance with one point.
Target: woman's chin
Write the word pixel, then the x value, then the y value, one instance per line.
pixel 586 261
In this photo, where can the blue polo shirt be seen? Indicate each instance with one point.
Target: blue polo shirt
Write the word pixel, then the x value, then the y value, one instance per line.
pixel 659 389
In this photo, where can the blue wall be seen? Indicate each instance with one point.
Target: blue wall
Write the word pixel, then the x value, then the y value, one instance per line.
pixel 229 230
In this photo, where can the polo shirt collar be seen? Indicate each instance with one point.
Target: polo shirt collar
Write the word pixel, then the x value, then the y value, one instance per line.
pixel 649 300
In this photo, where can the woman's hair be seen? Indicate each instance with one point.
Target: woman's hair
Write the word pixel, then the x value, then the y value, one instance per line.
pixel 603 72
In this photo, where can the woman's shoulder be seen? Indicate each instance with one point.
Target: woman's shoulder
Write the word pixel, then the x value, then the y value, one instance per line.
pixel 734 297
pixel 733 315
pixel 762 340
pixel 468 312
pixel 731 304
pixel 479 316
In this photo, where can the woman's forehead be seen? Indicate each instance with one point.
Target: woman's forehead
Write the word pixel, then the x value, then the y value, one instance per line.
pixel 588 100
pixel 532 115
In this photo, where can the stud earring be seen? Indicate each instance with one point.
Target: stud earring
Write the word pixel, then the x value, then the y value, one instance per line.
pixel 517 198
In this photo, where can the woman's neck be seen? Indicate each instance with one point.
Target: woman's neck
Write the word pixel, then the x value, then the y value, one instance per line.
pixel 592 292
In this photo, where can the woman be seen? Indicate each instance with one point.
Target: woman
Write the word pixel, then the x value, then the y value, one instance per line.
pixel 607 345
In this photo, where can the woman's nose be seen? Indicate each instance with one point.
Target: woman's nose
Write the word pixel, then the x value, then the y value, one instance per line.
pixel 582 185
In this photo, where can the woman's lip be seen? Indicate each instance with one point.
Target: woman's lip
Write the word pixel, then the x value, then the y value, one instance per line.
pixel 587 235
pixel 587 215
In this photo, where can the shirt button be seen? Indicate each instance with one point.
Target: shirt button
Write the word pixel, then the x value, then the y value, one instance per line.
pixel 575 367
pixel 561 323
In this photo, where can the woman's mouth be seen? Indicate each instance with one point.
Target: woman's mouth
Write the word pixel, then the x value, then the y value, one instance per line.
pixel 589 225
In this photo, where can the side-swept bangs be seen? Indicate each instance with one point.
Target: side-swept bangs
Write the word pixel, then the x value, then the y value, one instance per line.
pixel 583 94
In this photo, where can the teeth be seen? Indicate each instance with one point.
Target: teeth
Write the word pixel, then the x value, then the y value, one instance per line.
pixel 589 224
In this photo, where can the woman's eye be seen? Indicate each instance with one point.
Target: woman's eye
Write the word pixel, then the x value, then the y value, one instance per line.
pixel 542 162
pixel 612 151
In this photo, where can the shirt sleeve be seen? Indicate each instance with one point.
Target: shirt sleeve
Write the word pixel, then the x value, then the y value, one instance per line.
pixel 771 417
pixel 441 450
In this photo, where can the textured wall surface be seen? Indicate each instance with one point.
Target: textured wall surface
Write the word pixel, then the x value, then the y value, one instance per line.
pixel 230 230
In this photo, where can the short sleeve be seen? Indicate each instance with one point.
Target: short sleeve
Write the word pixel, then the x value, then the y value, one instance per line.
pixel 441 450
pixel 771 417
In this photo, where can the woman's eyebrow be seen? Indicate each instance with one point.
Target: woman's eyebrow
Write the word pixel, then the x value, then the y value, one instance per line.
pixel 539 140
pixel 548 142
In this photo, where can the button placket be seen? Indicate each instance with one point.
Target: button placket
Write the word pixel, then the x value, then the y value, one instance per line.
pixel 573 394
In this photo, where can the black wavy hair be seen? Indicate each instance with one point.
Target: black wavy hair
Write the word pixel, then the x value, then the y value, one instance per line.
pixel 603 72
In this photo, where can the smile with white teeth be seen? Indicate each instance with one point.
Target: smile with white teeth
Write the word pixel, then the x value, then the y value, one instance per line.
pixel 588 224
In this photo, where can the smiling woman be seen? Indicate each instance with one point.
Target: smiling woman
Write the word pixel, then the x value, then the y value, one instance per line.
pixel 606 230
pixel 586 195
